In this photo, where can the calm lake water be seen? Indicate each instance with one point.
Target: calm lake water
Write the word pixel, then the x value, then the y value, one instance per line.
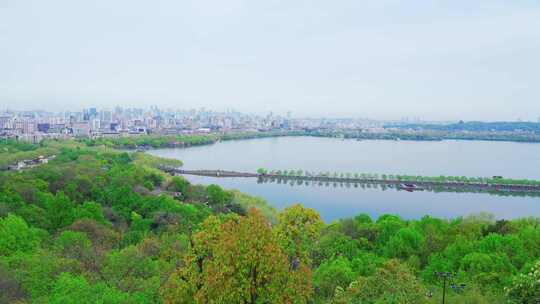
pixel 463 158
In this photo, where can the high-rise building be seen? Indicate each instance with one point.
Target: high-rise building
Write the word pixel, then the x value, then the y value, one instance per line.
pixel 4 121
pixel 24 126
pixel 95 124
pixel 81 129
pixel 89 114
pixel 105 116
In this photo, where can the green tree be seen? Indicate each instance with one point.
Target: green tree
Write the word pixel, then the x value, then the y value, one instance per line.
pixel 37 271
pixel 238 261
pixel 491 270
pixel 405 243
pixel 393 283
pixel 218 197
pixel 525 288
pixel 331 274
pixel 60 211
pixel 179 184
pixel 90 210
pixel 16 236
pixel 69 289
pixel 131 271
pixel 74 245
pixel 388 226
pixel 365 263
pixel 297 230
pixel 509 245
pixel 436 236
pixel 103 238
pixel 12 291
pixel 335 244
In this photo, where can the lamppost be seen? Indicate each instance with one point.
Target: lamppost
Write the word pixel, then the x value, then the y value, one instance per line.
pixel 447 277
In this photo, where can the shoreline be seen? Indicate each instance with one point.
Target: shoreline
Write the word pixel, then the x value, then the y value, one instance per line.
pixel 153 142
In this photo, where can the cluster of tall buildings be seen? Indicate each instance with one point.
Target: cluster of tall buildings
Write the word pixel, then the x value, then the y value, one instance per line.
pixel 34 126
pixel 93 122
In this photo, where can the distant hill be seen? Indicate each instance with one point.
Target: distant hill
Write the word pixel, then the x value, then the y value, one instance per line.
pixel 477 126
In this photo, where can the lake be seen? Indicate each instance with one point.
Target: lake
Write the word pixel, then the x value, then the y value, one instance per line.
pixel 457 158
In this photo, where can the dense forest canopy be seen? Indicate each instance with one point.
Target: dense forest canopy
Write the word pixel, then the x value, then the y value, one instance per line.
pixel 96 225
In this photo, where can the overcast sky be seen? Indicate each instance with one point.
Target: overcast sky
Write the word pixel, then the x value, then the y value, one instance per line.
pixel 383 59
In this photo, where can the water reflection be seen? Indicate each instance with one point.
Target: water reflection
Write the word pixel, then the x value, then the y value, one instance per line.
pixel 392 186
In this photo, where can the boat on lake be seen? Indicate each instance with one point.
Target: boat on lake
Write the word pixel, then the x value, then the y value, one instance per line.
pixel 410 187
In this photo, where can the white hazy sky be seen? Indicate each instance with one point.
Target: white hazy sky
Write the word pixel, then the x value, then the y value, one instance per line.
pixel 385 59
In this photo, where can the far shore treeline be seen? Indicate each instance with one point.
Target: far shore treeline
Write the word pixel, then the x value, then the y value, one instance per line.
pixel 99 225
pixel 172 141
pixel 513 132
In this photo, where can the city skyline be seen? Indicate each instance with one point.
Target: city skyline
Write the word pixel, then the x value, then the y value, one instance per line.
pixel 288 114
